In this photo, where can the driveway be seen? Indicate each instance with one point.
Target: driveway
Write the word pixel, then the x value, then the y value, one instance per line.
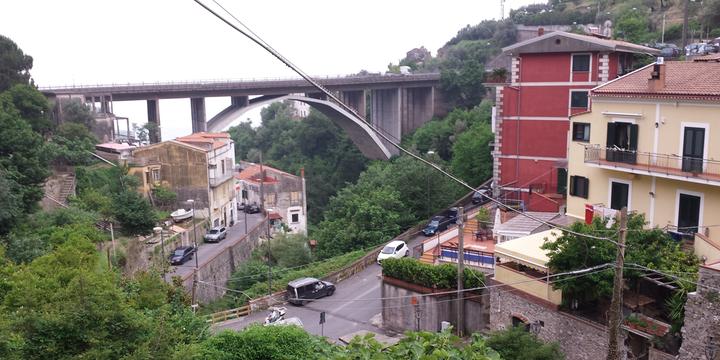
pixel 208 251
pixel 342 316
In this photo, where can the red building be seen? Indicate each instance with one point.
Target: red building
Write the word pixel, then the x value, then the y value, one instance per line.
pixel 549 79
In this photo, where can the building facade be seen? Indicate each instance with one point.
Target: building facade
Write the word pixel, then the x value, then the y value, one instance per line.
pixel 650 144
pixel 549 81
pixel 281 194
pixel 198 166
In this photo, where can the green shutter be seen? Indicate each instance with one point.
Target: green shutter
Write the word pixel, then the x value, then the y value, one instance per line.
pixel 562 181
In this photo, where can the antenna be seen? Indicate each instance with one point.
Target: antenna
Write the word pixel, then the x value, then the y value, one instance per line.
pixel 502 9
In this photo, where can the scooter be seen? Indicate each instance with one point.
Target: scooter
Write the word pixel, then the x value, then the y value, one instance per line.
pixel 276 314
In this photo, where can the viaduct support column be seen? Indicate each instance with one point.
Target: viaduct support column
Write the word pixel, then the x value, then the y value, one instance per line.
pixel 153 110
pixel 197 112
pixel 418 107
pixel 356 100
pixel 386 113
pixel 239 101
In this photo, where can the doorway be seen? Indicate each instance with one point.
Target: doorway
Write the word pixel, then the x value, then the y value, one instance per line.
pixel 688 213
pixel 693 149
pixel 619 195
pixel 622 139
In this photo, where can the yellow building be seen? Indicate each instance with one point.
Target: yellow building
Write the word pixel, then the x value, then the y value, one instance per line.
pixel 651 144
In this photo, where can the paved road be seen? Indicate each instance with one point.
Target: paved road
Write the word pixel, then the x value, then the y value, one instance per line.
pixel 342 316
pixel 207 251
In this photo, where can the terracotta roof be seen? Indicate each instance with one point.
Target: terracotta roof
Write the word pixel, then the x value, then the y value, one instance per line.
pixel 274 216
pixel 252 173
pixel 684 80
pixel 594 44
pixel 711 57
pixel 207 141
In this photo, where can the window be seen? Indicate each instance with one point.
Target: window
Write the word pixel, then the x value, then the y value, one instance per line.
pixel 622 141
pixel 155 175
pixel 581 132
pixel 619 195
pixel 579 99
pixel 581 62
pixel 294 218
pixel 688 212
pixel 579 186
pixel 244 194
pixel 562 181
pixel 222 165
pixel 294 197
pixel 270 199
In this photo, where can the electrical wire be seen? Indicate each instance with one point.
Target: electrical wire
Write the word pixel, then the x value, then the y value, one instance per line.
pixel 633 266
pixel 352 111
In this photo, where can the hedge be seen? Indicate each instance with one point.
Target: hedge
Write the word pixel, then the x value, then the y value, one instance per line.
pixel 432 276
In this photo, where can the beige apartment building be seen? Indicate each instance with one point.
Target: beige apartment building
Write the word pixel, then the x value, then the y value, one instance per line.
pixel 652 143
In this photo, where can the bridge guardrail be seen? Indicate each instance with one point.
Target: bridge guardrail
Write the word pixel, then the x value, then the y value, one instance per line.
pixel 228 314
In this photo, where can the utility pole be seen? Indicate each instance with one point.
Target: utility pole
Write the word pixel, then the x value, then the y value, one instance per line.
pixel 685 24
pixel 197 254
pixel 616 304
pixel 461 270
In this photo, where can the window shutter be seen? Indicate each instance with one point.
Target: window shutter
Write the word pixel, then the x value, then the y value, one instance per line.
pixel 586 185
pixel 573 179
pixel 633 137
pixel 610 152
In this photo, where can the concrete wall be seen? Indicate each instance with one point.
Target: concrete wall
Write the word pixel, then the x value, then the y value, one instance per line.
pixel 217 270
pixel 400 315
pixel 579 339
pixel 702 318
pixel 529 285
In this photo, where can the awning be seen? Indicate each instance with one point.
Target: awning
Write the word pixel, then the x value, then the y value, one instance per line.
pixel 526 250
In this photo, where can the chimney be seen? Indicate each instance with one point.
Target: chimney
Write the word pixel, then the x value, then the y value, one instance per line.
pixel 541 31
pixel 656 83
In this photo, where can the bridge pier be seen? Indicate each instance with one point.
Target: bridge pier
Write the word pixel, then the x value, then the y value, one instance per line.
pixel 386 110
pixel 197 112
pixel 239 101
pixel 153 111
pixel 418 107
pixel 356 100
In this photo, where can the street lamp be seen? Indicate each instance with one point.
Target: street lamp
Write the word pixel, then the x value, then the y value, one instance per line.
pixel 195 273
pixel 158 230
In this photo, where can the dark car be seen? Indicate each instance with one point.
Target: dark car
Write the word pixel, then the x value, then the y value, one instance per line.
pixel 181 255
pixel 216 234
pixel 481 196
pixel 451 215
pixel 302 291
pixel 252 209
pixel 436 225
pixel 241 206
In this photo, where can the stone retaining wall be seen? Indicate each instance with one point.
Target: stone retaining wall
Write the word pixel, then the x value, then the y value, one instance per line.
pixel 701 330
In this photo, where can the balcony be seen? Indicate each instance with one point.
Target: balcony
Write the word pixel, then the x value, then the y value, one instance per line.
pixel 219 180
pixel 696 170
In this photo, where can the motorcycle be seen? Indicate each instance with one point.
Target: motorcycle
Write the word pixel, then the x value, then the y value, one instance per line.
pixel 276 314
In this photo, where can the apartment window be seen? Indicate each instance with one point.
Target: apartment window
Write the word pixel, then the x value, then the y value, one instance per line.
pixel 619 195
pixel 244 194
pixel 294 197
pixel 294 218
pixel 581 63
pixel 581 132
pixel 622 142
pixel 579 99
pixel 689 207
pixel 579 186
pixel 270 199
pixel 222 165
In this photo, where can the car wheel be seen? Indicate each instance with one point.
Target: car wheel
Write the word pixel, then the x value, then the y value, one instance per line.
pixel 330 292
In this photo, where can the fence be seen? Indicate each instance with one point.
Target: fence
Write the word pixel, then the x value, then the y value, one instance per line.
pixel 228 314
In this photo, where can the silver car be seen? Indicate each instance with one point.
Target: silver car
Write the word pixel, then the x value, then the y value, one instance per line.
pixel 216 234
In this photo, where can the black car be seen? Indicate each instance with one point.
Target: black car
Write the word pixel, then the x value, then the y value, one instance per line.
pixel 451 215
pixel 182 254
pixel 302 291
pixel 241 206
pixel 252 209
pixel 481 196
pixel 436 225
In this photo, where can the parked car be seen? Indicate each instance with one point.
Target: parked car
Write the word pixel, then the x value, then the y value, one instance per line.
pixel 395 249
pixel 302 291
pixel 451 215
pixel 252 209
pixel 437 224
pixel 182 254
pixel 241 206
pixel 216 234
pixel 481 196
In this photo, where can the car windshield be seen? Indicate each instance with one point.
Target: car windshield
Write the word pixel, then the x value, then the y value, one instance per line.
pixel 179 252
pixel 214 231
pixel 388 249
pixel 434 223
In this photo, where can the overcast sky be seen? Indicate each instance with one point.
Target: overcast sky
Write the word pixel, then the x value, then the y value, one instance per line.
pixel 126 41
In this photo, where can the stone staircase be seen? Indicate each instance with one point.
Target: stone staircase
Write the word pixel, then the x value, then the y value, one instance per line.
pixel 67 188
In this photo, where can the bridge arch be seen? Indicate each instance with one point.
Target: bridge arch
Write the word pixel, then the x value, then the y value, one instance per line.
pixel 360 132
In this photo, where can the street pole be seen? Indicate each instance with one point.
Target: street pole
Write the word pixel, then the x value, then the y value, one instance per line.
pixel 461 270
pixel 195 272
pixel 616 304
pixel 246 229
pixel 685 24
pixel 159 230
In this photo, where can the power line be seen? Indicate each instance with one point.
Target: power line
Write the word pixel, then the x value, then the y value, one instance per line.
pixel 352 111
pixel 634 266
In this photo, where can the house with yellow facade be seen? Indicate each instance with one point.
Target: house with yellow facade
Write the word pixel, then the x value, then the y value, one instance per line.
pixel 652 143
pixel 200 167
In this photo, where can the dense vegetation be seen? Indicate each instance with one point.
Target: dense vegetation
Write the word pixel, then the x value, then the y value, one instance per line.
pixel 289 342
pixel 441 276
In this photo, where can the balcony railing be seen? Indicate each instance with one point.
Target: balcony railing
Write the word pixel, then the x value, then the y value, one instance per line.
pixel 471 257
pixel 216 181
pixel 687 167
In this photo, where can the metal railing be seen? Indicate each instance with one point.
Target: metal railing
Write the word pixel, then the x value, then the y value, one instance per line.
pixel 228 314
pixel 471 257
pixel 218 180
pixel 666 164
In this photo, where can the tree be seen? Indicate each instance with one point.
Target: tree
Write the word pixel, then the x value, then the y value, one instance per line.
pixel 14 64
pixel 518 344
pixel 75 111
pixel 32 106
pixel 463 84
pixel 22 156
pixel 289 250
pixel 11 206
pixel 472 158
pixel 135 214
pixel 72 144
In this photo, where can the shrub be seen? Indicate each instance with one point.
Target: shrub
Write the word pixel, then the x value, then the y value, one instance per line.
pixel 441 276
